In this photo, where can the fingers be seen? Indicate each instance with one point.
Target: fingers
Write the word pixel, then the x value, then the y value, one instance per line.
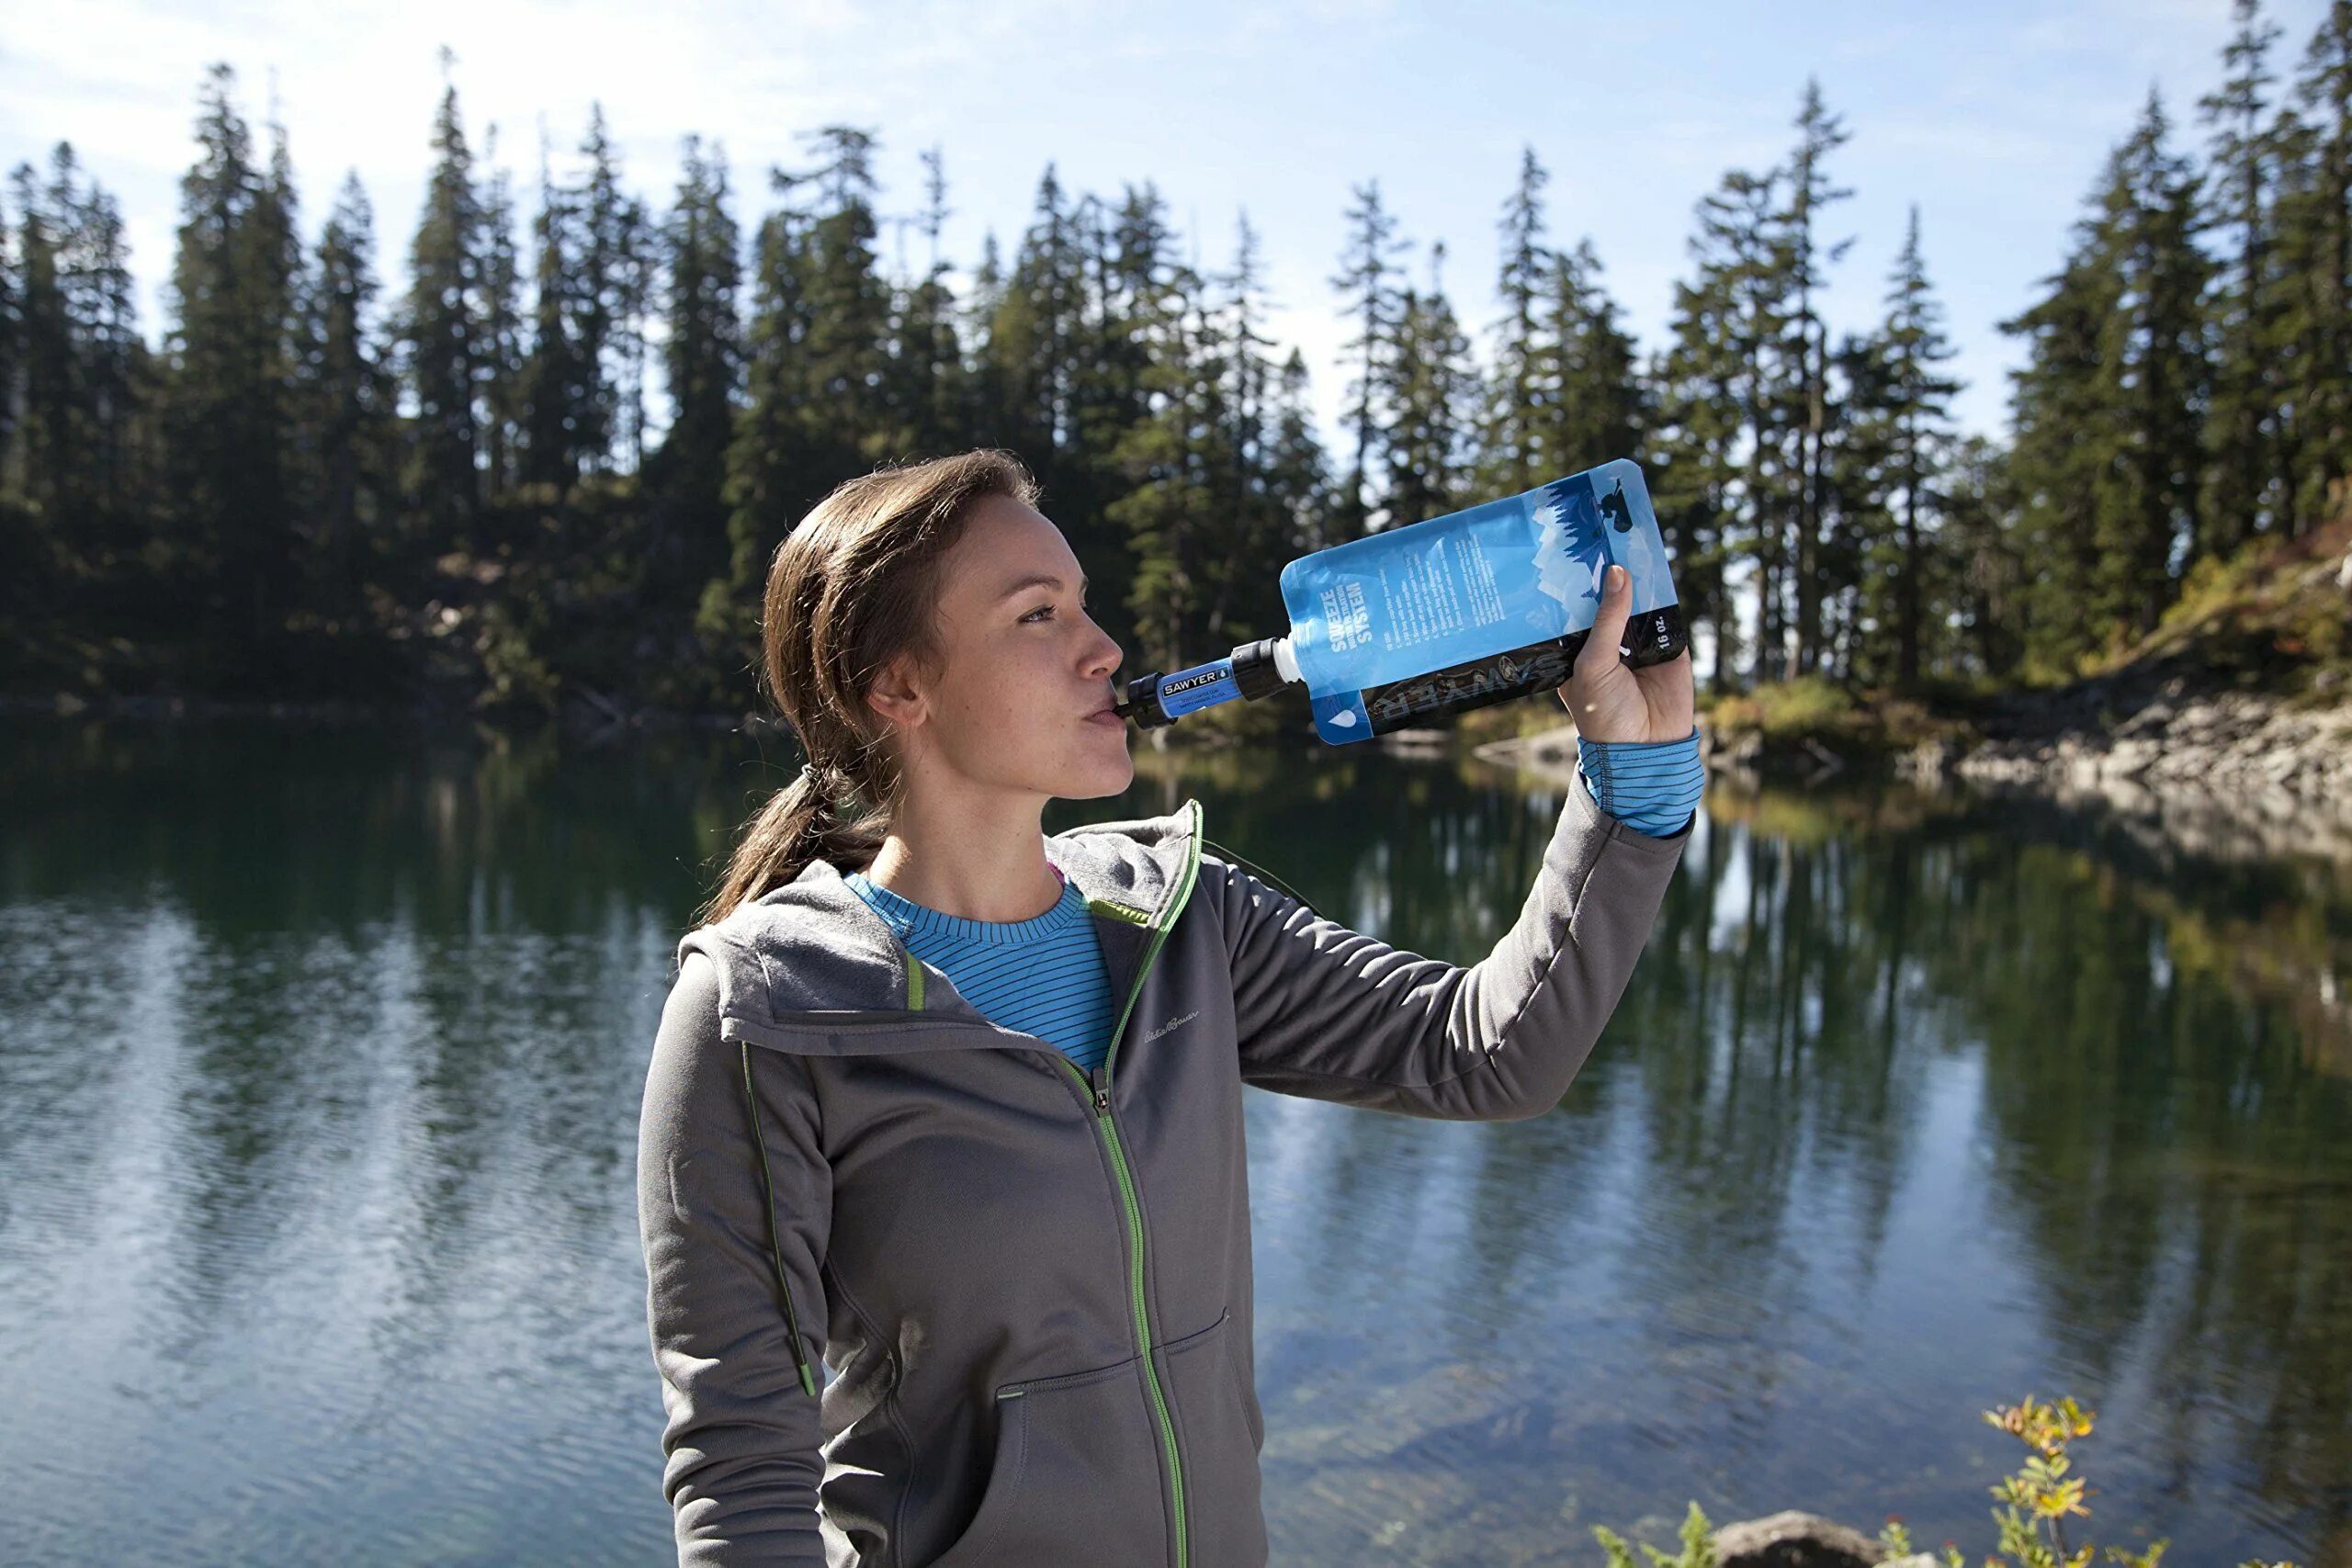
pixel 1607 641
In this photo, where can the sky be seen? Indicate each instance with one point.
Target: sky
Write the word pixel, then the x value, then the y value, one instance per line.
pixel 1993 117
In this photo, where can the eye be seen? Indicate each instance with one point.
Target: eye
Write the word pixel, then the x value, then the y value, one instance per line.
pixel 1043 610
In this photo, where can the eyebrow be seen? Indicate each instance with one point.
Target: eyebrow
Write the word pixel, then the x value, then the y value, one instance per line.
pixel 1040 580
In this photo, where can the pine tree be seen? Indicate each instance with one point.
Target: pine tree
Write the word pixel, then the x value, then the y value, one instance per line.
pixel 72 379
pixel 1298 477
pixel 1693 464
pixel 609 302
pixel 2314 258
pixel 1429 391
pixel 347 407
pixel 701 360
pixel 555 392
pixel 1371 300
pixel 2110 411
pixel 1821 133
pixel 1741 295
pixel 927 394
pixel 1980 546
pixel 1866 587
pixel 1250 524
pixel 1028 342
pixel 499 411
pixel 1520 394
pixel 2245 478
pixel 51 463
pixel 443 333
pixel 11 359
pixel 232 295
pixel 847 345
pixel 2067 436
pixel 1166 459
pixel 1916 412
pixel 1597 404
pixel 116 376
pixel 816 364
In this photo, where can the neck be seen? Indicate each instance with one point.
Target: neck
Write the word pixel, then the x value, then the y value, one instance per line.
pixel 978 854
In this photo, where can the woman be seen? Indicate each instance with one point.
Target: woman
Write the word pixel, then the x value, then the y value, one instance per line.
pixel 955 1107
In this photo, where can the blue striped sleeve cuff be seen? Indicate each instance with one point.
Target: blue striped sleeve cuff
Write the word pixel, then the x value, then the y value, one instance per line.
pixel 1652 787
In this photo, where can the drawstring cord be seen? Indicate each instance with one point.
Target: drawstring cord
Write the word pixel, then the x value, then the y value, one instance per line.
pixel 1262 874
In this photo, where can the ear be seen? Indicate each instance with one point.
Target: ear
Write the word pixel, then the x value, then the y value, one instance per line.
pixel 895 695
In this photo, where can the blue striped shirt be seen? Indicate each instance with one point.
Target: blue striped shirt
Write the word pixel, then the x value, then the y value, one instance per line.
pixel 1043 976
pixel 1652 787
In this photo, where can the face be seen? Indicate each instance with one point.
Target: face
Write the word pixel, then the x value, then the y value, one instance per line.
pixel 1020 702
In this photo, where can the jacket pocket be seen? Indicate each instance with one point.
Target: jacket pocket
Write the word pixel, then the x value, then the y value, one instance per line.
pixel 1076 1474
pixel 1220 1440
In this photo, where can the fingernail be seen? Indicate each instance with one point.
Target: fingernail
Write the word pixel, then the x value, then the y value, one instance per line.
pixel 1616 575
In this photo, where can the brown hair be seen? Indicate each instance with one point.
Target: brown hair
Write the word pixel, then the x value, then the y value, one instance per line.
pixel 854 585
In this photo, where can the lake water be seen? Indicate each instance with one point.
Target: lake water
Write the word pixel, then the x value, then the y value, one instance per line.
pixel 321 1053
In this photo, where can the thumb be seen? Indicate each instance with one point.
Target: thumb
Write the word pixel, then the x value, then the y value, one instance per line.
pixel 1616 609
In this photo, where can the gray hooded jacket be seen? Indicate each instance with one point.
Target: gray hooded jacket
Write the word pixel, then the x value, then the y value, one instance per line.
pixel 1029 1287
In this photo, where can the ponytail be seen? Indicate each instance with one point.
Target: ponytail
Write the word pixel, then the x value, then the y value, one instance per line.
pixel 852 587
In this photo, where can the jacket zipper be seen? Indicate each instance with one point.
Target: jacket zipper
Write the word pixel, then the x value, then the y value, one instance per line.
pixel 1108 1126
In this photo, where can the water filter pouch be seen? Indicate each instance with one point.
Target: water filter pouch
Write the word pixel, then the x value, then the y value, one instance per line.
pixel 1476 606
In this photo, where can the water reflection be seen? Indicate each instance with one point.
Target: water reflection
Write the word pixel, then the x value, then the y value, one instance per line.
pixel 318 1064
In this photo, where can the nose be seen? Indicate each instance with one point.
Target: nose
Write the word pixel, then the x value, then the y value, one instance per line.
pixel 1107 657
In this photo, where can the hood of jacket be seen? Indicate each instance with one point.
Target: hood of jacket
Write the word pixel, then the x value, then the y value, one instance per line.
pixel 809 967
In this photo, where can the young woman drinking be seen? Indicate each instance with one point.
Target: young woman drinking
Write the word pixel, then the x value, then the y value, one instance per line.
pixel 941 1179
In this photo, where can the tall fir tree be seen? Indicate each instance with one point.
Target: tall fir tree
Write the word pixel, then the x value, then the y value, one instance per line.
pixel 1521 390
pixel 347 411
pixel 1741 294
pixel 2111 408
pixel 443 333
pixel 555 390
pixel 928 391
pixel 2246 481
pixel 1168 458
pixel 703 365
pixel 1692 458
pixel 1371 300
pixel 1802 253
pixel 233 312
pixel 1917 412
pixel 1429 391
pixel 2314 260
pixel 499 411
pixel 1596 405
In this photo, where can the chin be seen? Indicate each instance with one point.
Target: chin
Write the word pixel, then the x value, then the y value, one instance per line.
pixel 1095 780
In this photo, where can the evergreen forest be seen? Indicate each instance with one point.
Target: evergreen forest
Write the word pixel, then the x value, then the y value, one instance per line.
pixel 540 439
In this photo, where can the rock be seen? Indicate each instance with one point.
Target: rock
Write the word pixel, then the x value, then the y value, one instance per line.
pixel 1415 740
pixel 1792 1539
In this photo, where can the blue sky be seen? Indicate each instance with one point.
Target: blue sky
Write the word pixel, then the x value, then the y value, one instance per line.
pixel 1994 118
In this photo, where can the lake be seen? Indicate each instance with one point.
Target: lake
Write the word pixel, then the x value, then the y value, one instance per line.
pixel 321 1053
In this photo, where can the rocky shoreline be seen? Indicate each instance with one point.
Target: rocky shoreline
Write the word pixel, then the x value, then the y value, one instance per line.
pixel 2238 773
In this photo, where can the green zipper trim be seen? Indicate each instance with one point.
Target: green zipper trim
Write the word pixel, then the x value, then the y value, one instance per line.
pixel 914 979
pixel 776 1243
pixel 1110 1132
pixel 1119 911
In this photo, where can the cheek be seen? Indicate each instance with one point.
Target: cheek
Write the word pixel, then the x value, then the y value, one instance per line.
pixel 998 694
